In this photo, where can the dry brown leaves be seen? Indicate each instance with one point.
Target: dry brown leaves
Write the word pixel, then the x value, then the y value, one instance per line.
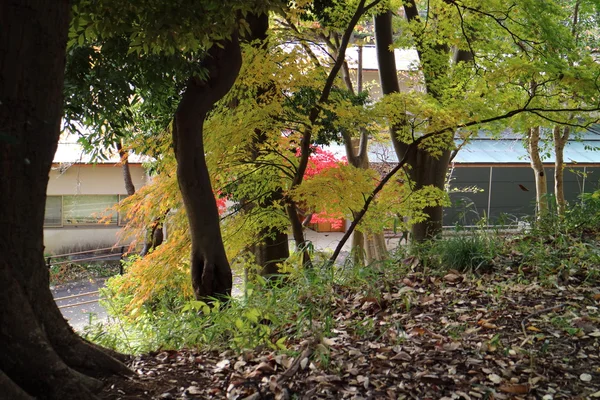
pixel 449 337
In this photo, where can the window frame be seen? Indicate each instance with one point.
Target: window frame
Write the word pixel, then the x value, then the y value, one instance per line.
pixel 60 224
pixel 98 222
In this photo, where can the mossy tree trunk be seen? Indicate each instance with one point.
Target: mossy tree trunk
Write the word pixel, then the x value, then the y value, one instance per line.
pixel 541 183
pixel 560 136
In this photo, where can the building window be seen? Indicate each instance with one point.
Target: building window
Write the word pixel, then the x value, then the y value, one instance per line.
pixel 53 214
pixel 123 220
pixel 90 209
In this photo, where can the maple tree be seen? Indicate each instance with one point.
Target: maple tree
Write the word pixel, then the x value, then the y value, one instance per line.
pixel 323 26
pixel 200 66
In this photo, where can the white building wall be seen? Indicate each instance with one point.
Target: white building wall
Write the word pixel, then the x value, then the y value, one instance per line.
pixel 92 179
pixel 87 179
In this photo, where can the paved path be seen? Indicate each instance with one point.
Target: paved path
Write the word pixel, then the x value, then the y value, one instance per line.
pixel 80 315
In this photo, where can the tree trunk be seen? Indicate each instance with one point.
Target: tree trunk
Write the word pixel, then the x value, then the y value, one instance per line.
pixel 425 170
pixel 154 236
pixel 429 171
pixel 298 232
pixel 41 354
pixel 124 155
pixel 541 187
pixel 272 246
pixel 272 250
pixel 560 141
pixel 210 270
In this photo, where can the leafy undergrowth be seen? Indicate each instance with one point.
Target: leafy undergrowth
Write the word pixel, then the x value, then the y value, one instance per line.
pixel 65 273
pixel 395 333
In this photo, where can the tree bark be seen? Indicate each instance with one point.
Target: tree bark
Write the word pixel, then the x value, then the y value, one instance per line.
pixel 425 169
pixel 272 245
pixel 124 155
pixel 40 352
pixel 298 232
pixel 210 270
pixel 429 171
pixel 541 187
pixel 560 136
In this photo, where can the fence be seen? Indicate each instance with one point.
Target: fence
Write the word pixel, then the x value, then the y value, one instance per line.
pixel 107 254
pixel 104 254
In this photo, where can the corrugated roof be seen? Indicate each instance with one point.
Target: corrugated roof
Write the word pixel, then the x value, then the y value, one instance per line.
pixel 508 148
pixel 512 151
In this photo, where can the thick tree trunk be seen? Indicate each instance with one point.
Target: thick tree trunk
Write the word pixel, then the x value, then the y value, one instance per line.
pixel 211 273
pixel 425 170
pixel 541 186
pixel 560 136
pixel 429 171
pixel 40 352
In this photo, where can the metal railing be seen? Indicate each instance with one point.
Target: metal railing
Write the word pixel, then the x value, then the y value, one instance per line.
pixel 72 258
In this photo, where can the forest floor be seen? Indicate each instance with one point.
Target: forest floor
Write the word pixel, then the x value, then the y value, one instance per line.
pixel 418 336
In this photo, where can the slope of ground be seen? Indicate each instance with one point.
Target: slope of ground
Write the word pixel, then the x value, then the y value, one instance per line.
pixel 417 336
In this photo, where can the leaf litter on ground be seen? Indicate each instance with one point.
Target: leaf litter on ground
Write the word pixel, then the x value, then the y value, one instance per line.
pixel 419 337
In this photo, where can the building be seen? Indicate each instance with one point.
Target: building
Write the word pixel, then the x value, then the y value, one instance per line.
pixel 80 196
pixel 492 177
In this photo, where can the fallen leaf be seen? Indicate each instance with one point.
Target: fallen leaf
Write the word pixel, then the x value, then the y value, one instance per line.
pixel 304 363
pixel 533 329
pixel 264 367
pixel 452 346
pixel 484 323
pixel 239 364
pixel 193 390
pixel 585 377
pixel 514 389
pixel 494 378
pixel 452 278
pixel 223 364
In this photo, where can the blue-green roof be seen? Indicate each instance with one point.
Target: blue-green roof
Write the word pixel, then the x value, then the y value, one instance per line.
pixel 506 148
pixel 509 148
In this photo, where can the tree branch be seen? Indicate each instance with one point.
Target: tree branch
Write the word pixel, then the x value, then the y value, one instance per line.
pixel 413 146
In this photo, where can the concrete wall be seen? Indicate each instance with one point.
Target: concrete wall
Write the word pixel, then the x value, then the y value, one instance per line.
pixel 92 179
pixel 407 80
pixel 87 179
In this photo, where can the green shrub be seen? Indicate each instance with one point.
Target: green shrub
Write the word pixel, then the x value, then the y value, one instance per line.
pixel 465 252
pixel 269 314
